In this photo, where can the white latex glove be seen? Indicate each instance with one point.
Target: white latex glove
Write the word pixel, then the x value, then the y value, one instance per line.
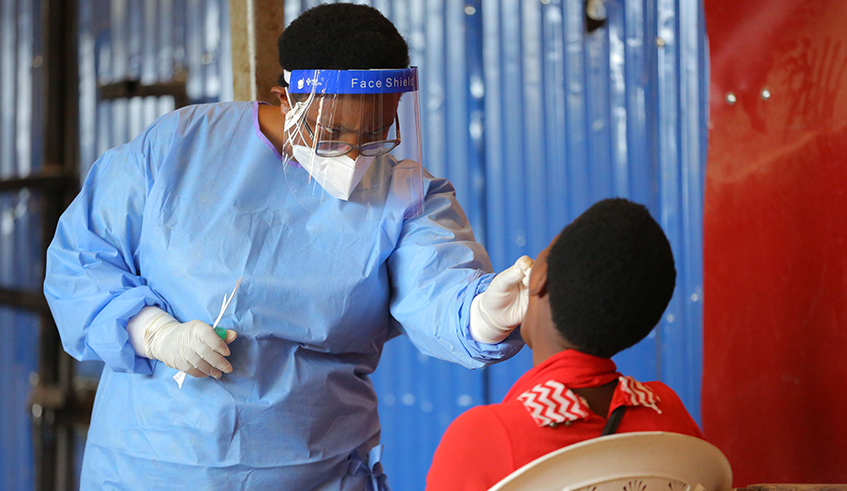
pixel 498 310
pixel 192 347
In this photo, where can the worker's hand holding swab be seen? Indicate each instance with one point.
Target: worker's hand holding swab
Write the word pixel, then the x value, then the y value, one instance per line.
pixel 502 307
pixel 192 347
pixel 195 348
pixel 227 336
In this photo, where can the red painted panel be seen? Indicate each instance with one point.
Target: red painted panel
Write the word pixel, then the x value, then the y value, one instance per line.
pixel 775 240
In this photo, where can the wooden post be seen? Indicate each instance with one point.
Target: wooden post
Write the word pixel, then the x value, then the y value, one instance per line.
pixel 255 26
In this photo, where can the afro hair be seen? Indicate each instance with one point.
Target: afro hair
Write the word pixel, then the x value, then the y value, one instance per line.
pixel 341 36
pixel 610 277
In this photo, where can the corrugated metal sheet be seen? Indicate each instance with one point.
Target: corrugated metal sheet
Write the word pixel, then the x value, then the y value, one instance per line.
pixel 533 120
pixel 151 41
pixel 20 264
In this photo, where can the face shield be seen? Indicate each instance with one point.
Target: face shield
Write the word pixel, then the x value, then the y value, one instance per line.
pixel 352 140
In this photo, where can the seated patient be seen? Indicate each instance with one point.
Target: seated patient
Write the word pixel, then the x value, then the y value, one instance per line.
pixel 599 287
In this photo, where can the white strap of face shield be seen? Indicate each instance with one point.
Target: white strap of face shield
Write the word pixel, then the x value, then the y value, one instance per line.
pixel 297 112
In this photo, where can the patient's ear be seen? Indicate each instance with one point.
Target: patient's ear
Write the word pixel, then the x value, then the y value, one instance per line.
pixel 538 279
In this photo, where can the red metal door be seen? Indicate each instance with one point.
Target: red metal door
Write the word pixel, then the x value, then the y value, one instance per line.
pixel 775 240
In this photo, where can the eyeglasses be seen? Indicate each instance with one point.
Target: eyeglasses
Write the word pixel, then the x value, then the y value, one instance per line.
pixel 337 148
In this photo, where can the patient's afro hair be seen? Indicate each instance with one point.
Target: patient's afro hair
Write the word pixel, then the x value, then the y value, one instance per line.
pixel 341 36
pixel 610 277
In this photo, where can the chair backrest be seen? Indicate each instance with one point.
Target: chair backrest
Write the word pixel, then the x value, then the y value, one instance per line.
pixel 640 461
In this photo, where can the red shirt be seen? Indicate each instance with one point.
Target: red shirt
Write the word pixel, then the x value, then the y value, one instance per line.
pixel 541 414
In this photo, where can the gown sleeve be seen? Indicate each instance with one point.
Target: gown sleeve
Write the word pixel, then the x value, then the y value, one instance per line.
pixel 436 270
pixel 92 283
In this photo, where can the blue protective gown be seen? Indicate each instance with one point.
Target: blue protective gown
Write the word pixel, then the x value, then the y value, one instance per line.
pixel 173 219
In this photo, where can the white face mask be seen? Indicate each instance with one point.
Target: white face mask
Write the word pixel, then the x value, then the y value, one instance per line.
pixel 339 176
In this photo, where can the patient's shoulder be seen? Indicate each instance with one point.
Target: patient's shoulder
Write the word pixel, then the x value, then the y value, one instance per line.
pixel 653 406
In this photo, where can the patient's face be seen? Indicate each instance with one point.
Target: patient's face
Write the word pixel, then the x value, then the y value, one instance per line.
pixel 538 310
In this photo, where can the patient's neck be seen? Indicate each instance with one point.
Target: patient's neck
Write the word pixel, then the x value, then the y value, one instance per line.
pixel 547 341
pixel 598 398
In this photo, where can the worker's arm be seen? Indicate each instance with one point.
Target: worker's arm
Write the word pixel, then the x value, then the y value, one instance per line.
pixel 437 269
pixel 93 283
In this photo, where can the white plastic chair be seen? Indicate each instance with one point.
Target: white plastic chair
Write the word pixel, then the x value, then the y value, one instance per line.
pixel 641 461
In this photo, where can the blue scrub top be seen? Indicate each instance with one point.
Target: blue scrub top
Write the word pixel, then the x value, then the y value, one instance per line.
pixel 173 219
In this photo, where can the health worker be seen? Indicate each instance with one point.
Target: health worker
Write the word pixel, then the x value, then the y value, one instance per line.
pixel 341 240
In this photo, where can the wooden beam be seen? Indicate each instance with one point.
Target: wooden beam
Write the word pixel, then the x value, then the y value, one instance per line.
pixel 21 299
pixel 46 179
pixel 255 26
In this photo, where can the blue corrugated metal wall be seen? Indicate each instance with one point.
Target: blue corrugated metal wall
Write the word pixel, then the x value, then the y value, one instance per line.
pixel 118 39
pixel 20 265
pixel 151 41
pixel 533 120
pixel 529 117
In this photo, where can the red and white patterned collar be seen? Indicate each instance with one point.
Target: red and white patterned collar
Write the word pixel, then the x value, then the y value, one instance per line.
pixel 551 403
pixel 638 394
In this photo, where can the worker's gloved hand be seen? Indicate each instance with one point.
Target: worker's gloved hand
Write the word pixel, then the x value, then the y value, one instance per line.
pixel 192 347
pixel 502 307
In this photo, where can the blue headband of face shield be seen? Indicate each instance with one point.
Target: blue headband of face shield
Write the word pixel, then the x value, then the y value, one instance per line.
pixel 392 81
